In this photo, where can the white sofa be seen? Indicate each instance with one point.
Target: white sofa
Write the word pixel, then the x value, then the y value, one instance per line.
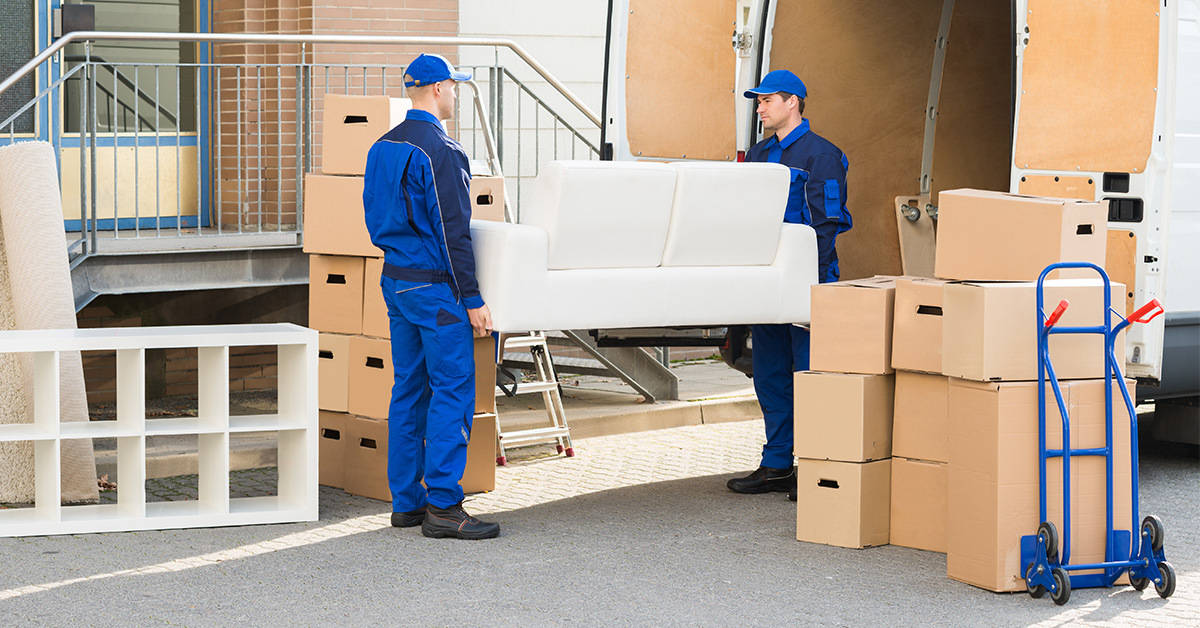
pixel 610 245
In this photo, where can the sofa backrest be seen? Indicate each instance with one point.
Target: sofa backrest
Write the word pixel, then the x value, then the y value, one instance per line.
pixel 726 214
pixel 602 214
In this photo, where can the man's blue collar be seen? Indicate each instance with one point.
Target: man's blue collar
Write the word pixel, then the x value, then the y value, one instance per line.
pixel 796 134
pixel 421 114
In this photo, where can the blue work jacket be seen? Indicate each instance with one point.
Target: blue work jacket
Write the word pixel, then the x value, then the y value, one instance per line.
pixel 418 207
pixel 817 196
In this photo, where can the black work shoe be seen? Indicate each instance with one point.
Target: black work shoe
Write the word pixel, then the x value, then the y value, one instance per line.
pixel 792 494
pixel 408 519
pixel 765 480
pixel 455 523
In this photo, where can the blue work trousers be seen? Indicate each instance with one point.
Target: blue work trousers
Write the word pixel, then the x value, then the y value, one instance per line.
pixel 433 398
pixel 778 351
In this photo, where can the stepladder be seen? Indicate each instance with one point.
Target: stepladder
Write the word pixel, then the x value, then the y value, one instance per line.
pixel 545 382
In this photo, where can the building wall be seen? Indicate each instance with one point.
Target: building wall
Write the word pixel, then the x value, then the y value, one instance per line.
pixel 256 102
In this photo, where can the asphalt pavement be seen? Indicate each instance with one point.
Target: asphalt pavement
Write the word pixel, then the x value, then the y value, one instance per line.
pixel 636 530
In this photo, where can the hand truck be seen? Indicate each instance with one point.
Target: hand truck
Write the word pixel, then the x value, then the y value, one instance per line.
pixel 1044 569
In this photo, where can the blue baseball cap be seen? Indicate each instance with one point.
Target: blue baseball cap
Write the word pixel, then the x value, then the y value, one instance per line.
pixel 778 81
pixel 430 68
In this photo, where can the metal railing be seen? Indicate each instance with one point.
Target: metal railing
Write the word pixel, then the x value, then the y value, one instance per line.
pixel 172 155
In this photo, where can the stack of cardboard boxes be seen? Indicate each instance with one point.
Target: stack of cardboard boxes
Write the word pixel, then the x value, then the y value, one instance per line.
pixel 844 416
pixel 347 307
pixel 945 448
pixel 995 246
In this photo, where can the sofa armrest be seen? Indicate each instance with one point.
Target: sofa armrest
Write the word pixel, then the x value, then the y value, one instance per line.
pixel 510 266
pixel 797 261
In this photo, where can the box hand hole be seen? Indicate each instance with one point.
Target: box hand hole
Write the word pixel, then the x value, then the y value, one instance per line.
pixel 483 199
pixel 338 279
pixel 331 434
pixel 367 443
pixel 929 310
pixel 325 354
pixel 1084 230
pixel 355 120
pixel 827 483
pixel 374 363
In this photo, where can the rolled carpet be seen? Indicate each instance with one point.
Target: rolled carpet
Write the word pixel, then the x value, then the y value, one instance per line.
pixel 39 288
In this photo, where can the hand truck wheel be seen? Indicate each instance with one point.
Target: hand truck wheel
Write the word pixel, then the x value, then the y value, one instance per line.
pixel 1167 571
pixel 1139 584
pixel 1049 535
pixel 1153 527
pixel 1062 586
pixel 1036 591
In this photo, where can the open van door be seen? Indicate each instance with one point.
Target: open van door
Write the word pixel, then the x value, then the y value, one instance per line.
pixel 669 85
pixel 1094 119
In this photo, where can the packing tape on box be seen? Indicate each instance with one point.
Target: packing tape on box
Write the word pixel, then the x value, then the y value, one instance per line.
pixel 41 297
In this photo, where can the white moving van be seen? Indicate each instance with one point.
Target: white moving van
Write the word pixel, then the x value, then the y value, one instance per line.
pixel 1097 100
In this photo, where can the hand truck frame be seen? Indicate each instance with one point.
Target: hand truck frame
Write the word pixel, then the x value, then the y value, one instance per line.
pixel 1044 568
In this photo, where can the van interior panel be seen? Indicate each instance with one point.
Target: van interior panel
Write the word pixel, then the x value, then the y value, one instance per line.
pixel 1120 262
pixel 1069 120
pixel 867 66
pixel 679 92
pixel 973 138
pixel 1080 187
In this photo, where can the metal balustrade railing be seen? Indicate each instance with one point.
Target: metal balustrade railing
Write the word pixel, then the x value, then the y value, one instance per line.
pixel 170 155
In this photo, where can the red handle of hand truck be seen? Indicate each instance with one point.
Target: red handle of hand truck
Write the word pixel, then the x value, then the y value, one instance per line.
pixel 1147 312
pixel 1058 312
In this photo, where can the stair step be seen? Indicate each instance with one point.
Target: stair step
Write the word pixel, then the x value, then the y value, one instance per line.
pixel 562 364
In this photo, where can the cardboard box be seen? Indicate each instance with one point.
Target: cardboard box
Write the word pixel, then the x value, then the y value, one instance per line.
pixel 994 478
pixel 334 219
pixel 843 416
pixel 919 504
pixel 375 320
pixel 333 372
pixel 487 198
pixel 485 374
pixel 921 420
pixel 843 503
pixel 366 447
pixel 351 124
pixel 917 325
pixel 371 377
pixel 479 475
pixel 366 458
pixel 331 470
pixel 335 293
pixel 852 326
pixel 989 330
pixel 995 236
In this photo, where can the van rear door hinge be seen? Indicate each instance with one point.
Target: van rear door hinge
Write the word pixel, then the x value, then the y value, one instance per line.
pixel 742 42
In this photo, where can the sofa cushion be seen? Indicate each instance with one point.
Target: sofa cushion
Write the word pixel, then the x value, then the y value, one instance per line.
pixel 602 214
pixel 726 214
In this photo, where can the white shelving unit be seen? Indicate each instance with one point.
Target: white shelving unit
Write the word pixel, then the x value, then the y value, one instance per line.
pixel 295 425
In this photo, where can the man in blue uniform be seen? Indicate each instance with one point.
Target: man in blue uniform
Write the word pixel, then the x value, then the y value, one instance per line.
pixel 817 198
pixel 418 212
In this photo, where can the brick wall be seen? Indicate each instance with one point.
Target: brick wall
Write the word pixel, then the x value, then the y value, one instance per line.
pixel 256 104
